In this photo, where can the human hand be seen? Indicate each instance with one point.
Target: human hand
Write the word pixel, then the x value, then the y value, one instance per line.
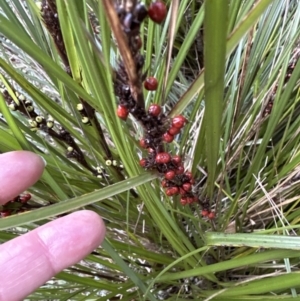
pixel 28 261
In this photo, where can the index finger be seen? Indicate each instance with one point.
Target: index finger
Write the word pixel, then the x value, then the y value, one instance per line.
pixel 28 261
pixel 18 171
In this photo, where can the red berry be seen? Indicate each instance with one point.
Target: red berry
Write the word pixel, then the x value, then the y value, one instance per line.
pixel 176 159
pixel 190 176
pixel 182 191
pixel 172 191
pixel 178 121
pixel 211 215
pixel 24 198
pixel 122 112
pixel 151 150
pixel 143 143
pixel 168 137
pixel 187 187
pixel 169 175
pixel 162 158
pixel 173 131
pixel 143 162
pixel 157 11
pixel 150 83
pixel 204 212
pixel 154 110
pixel 190 200
pixel 164 183
pixel 183 201
pixel 179 170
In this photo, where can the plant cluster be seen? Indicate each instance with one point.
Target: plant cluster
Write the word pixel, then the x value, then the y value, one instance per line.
pixel 239 138
pixel 159 130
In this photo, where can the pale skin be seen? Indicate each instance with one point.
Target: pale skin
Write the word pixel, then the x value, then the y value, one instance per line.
pixel 28 261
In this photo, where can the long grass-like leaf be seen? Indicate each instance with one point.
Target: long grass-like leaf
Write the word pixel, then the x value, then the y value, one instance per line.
pixel 215 27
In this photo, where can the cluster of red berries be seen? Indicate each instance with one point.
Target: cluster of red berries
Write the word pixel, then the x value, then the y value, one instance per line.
pixel 175 180
pixel 177 124
pixel 162 132
pixel 158 128
pixel 15 205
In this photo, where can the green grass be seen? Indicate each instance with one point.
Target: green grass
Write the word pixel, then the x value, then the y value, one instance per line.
pixel 245 158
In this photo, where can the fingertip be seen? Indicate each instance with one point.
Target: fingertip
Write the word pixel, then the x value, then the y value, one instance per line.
pixel 19 170
pixel 90 222
pixel 70 238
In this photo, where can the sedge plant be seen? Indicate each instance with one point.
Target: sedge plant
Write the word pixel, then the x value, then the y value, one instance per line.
pixel 231 68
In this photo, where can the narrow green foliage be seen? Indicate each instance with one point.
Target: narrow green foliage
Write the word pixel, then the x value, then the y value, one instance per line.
pixel 253 240
pixel 215 29
pixel 233 72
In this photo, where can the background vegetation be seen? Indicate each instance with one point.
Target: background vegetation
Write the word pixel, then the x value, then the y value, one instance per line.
pixel 241 142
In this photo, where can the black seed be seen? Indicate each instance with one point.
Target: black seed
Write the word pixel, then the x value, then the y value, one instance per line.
pixel 140 12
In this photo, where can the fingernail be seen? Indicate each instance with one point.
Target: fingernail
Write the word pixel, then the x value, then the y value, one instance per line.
pixel 44 160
